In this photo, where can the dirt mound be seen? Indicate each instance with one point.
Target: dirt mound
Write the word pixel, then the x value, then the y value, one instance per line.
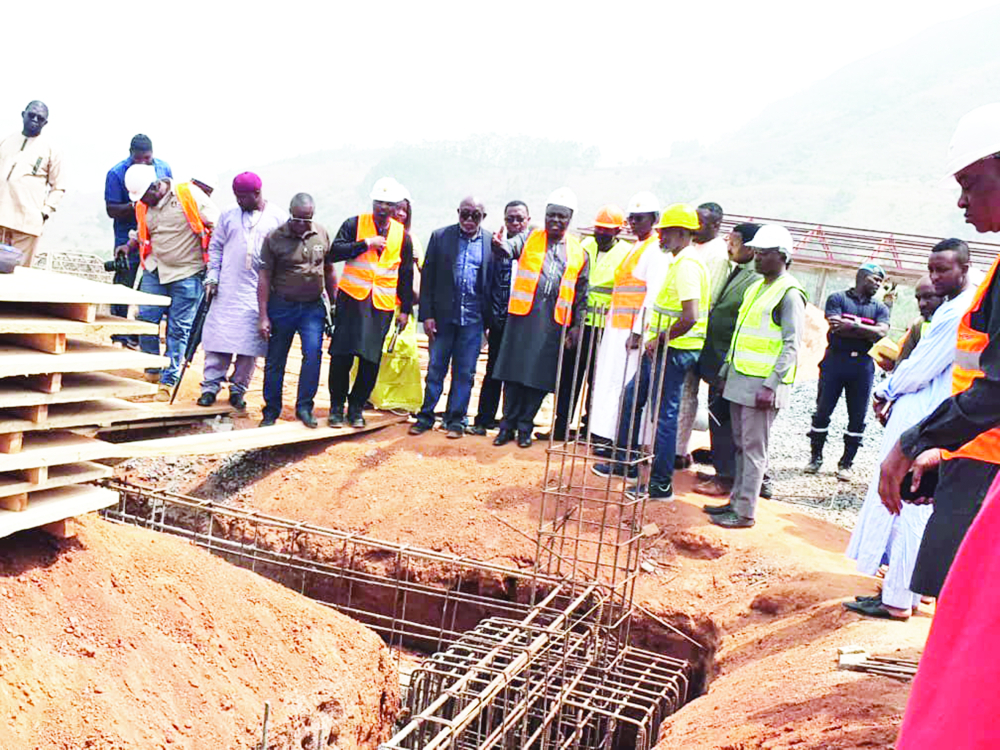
pixel 124 638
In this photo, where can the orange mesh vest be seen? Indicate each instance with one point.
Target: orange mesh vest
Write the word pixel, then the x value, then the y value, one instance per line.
pixel 529 268
pixel 629 292
pixel 985 447
pixel 371 273
pixel 190 208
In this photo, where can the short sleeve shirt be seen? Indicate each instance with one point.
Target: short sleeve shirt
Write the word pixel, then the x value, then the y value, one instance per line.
pixel 850 303
pixel 177 251
pixel 296 263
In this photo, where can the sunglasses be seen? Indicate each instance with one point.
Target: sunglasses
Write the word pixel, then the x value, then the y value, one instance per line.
pixel 465 214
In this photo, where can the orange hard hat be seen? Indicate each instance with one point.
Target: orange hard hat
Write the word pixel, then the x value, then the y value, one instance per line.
pixel 610 217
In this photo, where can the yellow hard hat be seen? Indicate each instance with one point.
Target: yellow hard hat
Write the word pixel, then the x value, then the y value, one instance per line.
pixel 679 215
pixel 610 217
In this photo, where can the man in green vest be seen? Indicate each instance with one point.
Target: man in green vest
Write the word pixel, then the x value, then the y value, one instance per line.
pixel 760 369
pixel 606 252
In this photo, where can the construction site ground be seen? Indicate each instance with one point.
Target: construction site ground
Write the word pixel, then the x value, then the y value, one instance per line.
pixel 765 603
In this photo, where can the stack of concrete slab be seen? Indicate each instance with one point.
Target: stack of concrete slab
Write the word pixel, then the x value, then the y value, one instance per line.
pixel 57 380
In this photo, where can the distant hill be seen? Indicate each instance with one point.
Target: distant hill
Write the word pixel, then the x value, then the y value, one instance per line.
pixel 864 147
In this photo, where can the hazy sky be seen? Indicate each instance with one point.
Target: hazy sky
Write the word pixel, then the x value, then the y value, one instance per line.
pixel 228 86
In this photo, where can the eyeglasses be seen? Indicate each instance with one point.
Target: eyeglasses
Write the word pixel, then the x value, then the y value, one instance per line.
pixel 465 214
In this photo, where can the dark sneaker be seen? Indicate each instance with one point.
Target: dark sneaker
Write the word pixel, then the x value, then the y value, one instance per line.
pixel 731 521
pixel 454 433
pixel 476 429
pixel 268 421
pixel 357 421
pixel 206 399
pixel 663 491
pixel 335 417
pixel 716 510
pixel 766 491
pixel 813 466
pixel 616 470
pixel 419 428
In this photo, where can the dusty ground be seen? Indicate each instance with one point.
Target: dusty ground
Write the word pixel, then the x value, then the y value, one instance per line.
pixel 124 638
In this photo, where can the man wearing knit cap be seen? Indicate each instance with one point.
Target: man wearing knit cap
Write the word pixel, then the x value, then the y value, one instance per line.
pixel 231 331
pixel 548 294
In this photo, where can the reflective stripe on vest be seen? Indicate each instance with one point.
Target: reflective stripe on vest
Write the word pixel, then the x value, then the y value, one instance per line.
pixel 984 447
pixel 190 208
pixel 529 268
pixel 667 314
pixel 602 276
pixel 757 342
pixel 371 273
pixel 630 292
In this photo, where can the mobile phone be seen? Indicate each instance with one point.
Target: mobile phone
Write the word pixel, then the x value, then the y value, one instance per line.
pixel 928 483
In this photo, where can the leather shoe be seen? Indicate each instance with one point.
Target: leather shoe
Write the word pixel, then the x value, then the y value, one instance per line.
pixel 730 520
pixel 712 488
pixel 305 416
pixel 454 433
pixel 358 420
pixel 418 428
pixel 336 417
pixel 716 510
pixel 503 437
pixel 237 401
pixel 476 429
pixel 765 489
pixel 206 399
pixel 524 440
pixel 268 421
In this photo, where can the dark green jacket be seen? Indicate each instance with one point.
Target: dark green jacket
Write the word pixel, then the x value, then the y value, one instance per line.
pixel 722 320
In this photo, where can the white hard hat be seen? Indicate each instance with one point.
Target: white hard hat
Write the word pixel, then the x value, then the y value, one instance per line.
pixel 387 190
pixel 773 235
pixel 976 137
pixel 563 197
pixel 138 178
pixel 643 203
pixel 404 193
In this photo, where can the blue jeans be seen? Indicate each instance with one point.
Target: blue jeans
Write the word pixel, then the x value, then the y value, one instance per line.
pixel 458 346
pixel 678 363
pixel 287 319
pixel 185 297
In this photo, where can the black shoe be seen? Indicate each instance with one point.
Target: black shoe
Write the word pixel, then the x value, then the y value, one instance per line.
pixel 503 437
pixel 814 465
pixel 765 490
pixel 731 521
pixel 305 416
pixel 419 428
pixel 237 401
pixel 206 399
pixel 617 470
pixel 524 440
pixel 718 510
pixel 268 421
pixel 476 429
pixel 336 417
pixel 455 432
pixel 357 421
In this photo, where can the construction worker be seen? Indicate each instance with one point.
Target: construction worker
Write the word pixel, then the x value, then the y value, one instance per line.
pixel 174 223
pixel 857 320
pixel 548 294
pixel 605 252
pixel 31 182
pixel 377 276
pixel 760 369
pixel 675 333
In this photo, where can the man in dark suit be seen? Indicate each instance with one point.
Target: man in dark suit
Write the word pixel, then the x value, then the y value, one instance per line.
pixel 456 277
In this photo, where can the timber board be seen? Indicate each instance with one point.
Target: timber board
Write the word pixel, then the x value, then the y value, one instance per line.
pixel 24 319
pixel 80 356
pixel 57 504
pixel 84 413
pixel 55 448
pixel 76 387
pixel 36 285
pixel 58 476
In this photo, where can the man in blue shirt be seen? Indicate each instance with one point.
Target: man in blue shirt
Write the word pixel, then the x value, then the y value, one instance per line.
pixel 856 322
pixel 122 211
pixel 454 307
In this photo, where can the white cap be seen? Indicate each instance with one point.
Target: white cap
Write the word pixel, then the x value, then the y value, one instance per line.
pixel 643 203
pixel 773 235
pixel 976 137
pixel 387 190
pixel 208 179
pixel 138 178
pixel 563 197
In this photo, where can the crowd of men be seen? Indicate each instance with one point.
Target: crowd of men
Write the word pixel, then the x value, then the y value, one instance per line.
pixel 675 305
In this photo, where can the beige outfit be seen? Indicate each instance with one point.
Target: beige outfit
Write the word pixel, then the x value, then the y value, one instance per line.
pixel 177 252
pixel 31 184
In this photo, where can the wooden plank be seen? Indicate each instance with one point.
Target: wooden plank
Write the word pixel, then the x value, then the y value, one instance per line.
pixel 58 447
pixel 63 529
pixel 50 506
pixel 14 503
pixel 50 383
pixel 83 312
pixel 60 416
pixel 80 356
pixel 11 442
pixel 77 386
pixel 25 319
pixel 36 285
pixel 36 413
pixel 52 343
pixel 35 475
pixel 58 476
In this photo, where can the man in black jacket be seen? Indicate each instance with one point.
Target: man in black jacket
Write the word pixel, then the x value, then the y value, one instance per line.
pixel 454 307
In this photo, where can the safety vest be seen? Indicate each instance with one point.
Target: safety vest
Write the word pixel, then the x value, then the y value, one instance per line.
pixel 757 340
pixel 529 268
pixel 668 309
pixel 630 292
pixel 984 447
pixel 602 277
pixel 371 273
pixel 190 207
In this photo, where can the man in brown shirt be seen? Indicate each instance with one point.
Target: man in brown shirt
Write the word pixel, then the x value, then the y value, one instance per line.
pixel 294 273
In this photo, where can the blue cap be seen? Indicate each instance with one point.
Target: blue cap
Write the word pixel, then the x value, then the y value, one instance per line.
pixel 873 268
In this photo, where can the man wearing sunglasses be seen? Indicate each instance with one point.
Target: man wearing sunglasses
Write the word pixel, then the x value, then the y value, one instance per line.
pixel 31 184
pixel 457 274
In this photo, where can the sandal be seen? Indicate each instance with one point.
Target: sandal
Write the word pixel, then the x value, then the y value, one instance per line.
pixel 873 609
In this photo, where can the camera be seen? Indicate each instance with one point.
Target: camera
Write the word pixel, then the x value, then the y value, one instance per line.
pixel 119 264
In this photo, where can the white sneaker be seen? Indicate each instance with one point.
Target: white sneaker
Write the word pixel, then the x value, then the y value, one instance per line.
pixel 845 473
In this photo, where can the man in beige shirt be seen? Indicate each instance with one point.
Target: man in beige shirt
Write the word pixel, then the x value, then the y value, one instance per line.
pixel 31 182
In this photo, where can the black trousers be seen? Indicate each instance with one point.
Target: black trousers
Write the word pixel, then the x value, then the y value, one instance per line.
pixel 490 390
pixel 961 489
pixel 340 379
pixel 520 405
pixel 571 381
pixel 721 434
pixel 839 373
